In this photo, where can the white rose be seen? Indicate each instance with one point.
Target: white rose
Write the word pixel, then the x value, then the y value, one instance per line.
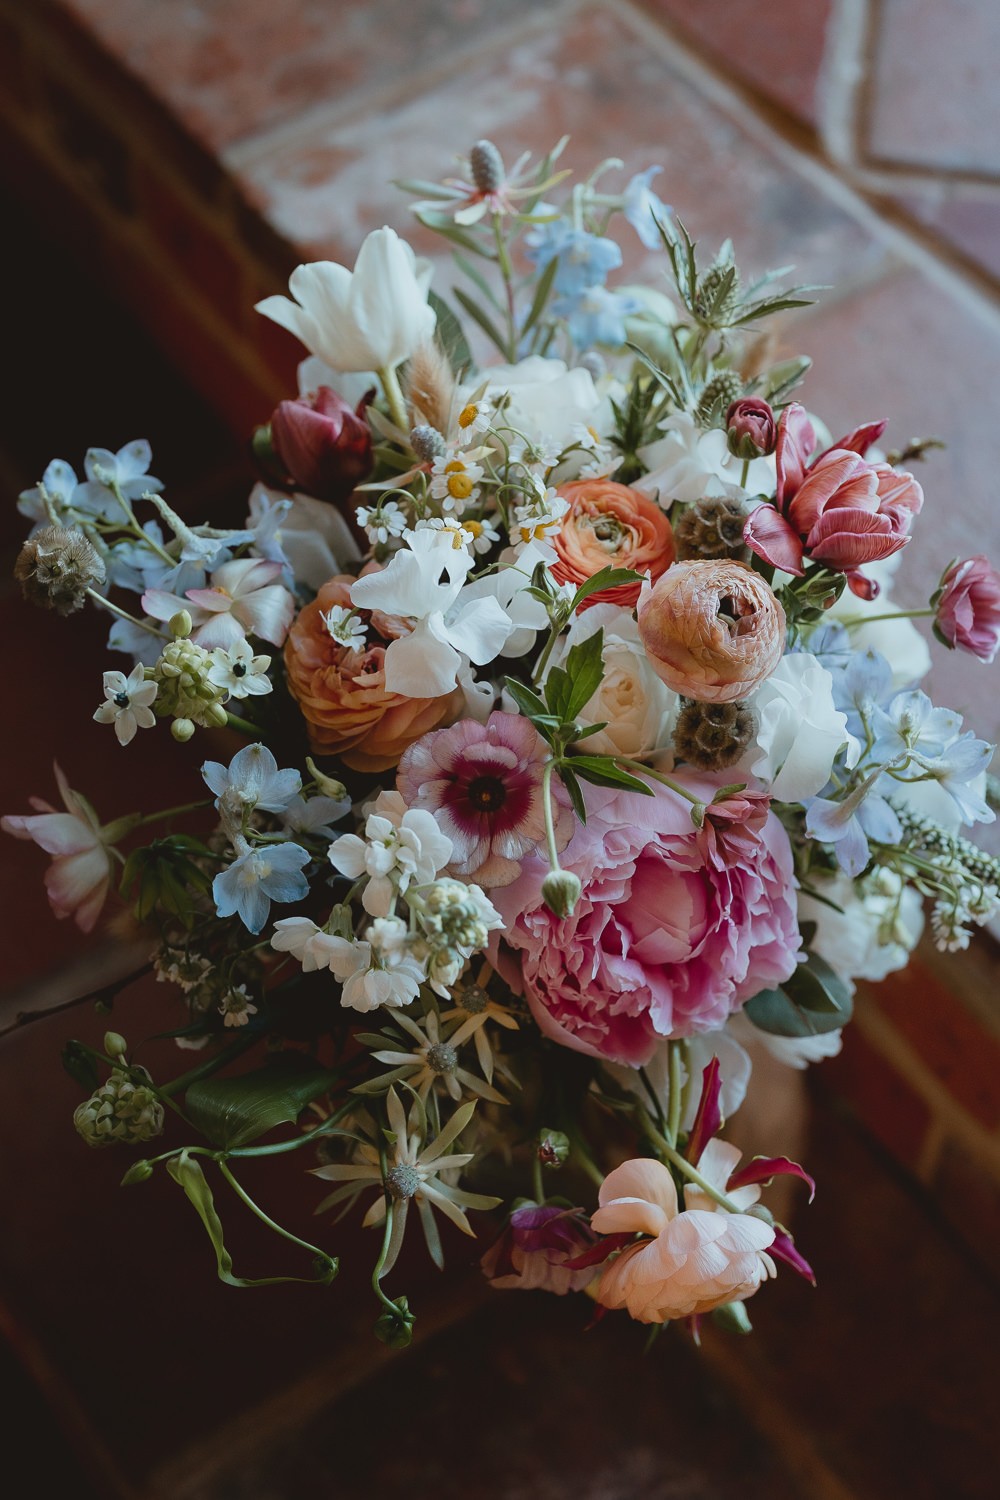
pixel 875 930
pixel 637 709
pixel 547 400
pixel 799 731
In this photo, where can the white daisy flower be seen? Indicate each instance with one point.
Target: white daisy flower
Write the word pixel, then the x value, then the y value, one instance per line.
pixel 127 706
pixel 382 521
pixel 237 1007
pixel 474 418
pixel 455 482
pixel 239 671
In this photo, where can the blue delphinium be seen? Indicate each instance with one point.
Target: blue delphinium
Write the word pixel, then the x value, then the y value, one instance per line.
pixel 257 877
pixel 643 209
pixel 584 259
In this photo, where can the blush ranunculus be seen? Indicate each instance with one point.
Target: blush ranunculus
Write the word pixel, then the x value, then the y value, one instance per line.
pixel 341 691
pixel 968 607
pixel 610 525
pixel 836 509
pixel 675 928
pixel 713 630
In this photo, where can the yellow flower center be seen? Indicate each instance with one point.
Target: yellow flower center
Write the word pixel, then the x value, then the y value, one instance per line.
pixel 468 415
pixel 459 486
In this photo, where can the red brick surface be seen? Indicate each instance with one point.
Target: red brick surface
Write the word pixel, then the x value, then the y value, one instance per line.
pixel 886 1105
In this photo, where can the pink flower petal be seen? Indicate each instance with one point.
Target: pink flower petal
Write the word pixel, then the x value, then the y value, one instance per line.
pixel 769 535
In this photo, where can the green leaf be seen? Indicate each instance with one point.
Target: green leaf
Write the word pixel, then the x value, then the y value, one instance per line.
pixel 585 669
pixel 574 789
pixel 450 336
pixel 817 987
pixel 813 1001
pixel 442 224
pixel 187 1173
pixel 81 1066
pixel 485 322
pixel 233 1112
pixel 607 578
pixel 542 293
pixel 602 771
pixel 526 699
pixel 478 279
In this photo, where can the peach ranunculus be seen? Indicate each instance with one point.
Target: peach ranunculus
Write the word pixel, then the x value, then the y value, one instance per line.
pixel 340 689
pixel 713 630
pixel 610 525
pixel 694 1259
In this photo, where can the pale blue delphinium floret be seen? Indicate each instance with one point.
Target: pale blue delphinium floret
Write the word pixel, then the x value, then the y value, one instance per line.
pixel 596 316
pixel 60 484
pixel 313 815
pixel 257 877
pixel 584 259
pixel 644 210
pixel 252 780
pixel 127 469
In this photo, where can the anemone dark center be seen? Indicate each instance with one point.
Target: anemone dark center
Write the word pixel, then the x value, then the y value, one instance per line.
pixel 487 793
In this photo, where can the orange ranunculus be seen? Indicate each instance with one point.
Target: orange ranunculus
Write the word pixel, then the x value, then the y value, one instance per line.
pixel 713 630
pixel 608 524
pixel 342 695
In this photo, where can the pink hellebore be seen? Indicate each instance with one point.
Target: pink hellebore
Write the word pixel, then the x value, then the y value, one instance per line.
pixel 968 607
pixel 838 509
pixel 244 599
pixel 77 879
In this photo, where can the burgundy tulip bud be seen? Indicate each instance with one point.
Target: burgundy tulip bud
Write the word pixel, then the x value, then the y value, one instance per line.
pixel 323 443
pixel 751 428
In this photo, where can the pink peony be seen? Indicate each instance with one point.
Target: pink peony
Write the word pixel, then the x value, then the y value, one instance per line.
pixel 483 782
pixel 968 607
pixel 839 509
pixel 696 1258
pixel 675 927
pixel 77 879
pixel 532 1251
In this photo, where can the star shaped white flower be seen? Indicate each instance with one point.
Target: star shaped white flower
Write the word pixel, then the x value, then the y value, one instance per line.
pixel 423 582
pixel 239 671
pixel 346 627
pixel 127 706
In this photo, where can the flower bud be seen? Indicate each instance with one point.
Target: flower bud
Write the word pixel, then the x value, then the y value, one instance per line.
pixel 553 1148
pixel 750 427
pixel 968 607
pixel 426 442
pixel 486 166
pixel 115 1044
pixel 139 1171
pixel 561 891
pixel 324 444
pixel 122 1109
pixel 326 784
pixel 182 730
pixel 56 567
pixel 180 625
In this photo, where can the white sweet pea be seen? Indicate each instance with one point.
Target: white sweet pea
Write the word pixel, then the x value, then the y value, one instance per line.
pixel 799 732
pixel 401 847
pixel 547 400
pixel 874 932
pixel 794 1051
pixel 371 318
pixel 689 463
pixel 423 583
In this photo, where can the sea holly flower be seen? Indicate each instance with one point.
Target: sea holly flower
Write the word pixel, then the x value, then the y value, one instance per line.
pixel 78 878
pixel 401 847
pixel 644 210
pixel 257 877
pixel 423 583
pixel 411 1176
pixel 239 672
pixel 127 706
pixel 371 318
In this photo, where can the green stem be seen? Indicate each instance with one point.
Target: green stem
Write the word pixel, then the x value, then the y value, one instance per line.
pixel 537 1185
pixel 325 1127
pixel 173 812
pixel 233 721
pixel 637 766
pixel 123 614
pixel 743 474
pixel 394 398
pixel 892 614
pixel 674 1106
pixel 550 830
pixel 672 1155
pixel 286 1234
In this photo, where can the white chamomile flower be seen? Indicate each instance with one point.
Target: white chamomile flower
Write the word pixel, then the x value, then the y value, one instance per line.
pixel 382 521
pixel 239 671
pixel 484 533
pixel 461 531
pixel 455 481
pixel 539 516
pixel 474 418
pixel 345 626
pixel 127 703
pixel 237 1007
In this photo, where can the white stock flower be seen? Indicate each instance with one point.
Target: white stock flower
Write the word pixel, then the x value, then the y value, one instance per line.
pixel 547 400
pixel 370 318
pixel 799 731
pixel 423 582
pixel 402 846
pixel 127 703
pixel 636 707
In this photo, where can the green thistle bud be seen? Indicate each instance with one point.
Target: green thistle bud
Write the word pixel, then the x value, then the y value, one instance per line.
pixel 717 397
pixel 120 1110
pixel 486 166
pixel 718 298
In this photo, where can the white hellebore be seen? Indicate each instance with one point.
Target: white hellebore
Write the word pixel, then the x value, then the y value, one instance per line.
pixel 423 583
pixel 401 847
pixel 799 731
pixel 371 318
pixel 127 703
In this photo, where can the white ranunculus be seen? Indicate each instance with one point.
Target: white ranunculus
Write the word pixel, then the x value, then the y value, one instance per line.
pixel 547 400
pixel 371 318
pixel 638 709
pixel 689 463
pixel 799 731
pixel 869 937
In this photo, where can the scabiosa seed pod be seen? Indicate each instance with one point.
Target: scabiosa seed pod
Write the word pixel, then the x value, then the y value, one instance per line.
pixel 712 528
pixel 56 567
pixel 713 736
pixel 717 396
pixel 426 442
pixel 486 166
pixel 120 1110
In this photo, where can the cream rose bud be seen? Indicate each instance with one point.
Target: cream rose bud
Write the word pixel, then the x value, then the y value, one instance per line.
pixel 637 708
pixel 799 731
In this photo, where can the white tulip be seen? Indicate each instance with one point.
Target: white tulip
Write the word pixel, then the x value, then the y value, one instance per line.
pixel 371 318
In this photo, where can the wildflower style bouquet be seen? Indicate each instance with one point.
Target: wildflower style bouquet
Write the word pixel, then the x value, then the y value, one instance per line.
pixel 563 748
